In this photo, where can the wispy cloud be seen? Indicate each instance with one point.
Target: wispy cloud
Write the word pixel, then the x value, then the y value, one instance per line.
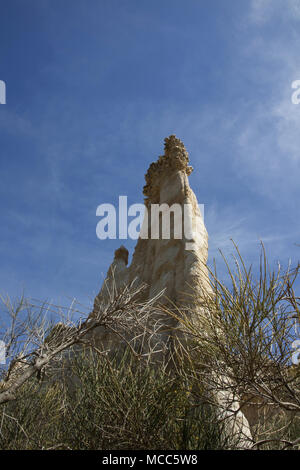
pixel 263 11
pixel 108 89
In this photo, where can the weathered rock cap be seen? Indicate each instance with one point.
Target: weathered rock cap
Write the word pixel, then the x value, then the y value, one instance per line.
pixel 122 253
pixel 175 158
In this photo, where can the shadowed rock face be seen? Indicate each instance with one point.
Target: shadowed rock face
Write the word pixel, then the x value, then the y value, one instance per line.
pixel 166 264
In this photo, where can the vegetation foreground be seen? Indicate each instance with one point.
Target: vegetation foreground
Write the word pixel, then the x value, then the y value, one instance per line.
pixel 243 344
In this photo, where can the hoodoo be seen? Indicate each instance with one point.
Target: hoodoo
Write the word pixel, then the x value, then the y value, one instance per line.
pixel 175 263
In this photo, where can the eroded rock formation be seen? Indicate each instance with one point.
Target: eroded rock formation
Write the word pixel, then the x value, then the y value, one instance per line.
pixel 175 265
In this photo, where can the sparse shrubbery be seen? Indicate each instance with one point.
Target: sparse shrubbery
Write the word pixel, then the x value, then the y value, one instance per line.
pixel 115 405
pixel 242 344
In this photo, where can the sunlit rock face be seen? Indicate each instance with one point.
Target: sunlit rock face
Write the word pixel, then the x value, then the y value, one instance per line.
pixel 174 263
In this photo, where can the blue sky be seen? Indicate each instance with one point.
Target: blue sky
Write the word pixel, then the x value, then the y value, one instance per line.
pixel 92 90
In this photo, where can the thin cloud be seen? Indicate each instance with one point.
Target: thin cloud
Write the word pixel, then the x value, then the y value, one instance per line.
pixel 262 11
